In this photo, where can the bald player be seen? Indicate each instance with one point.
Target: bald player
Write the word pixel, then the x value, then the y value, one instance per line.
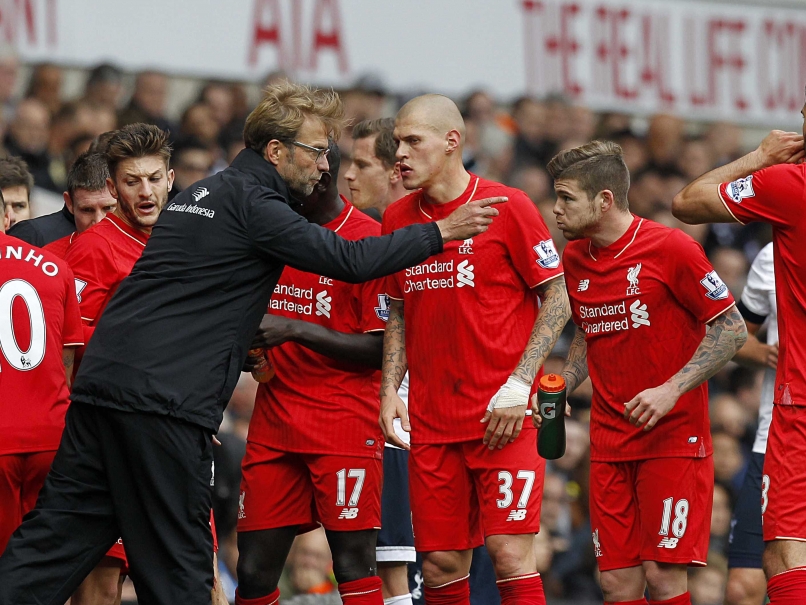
pixel 473 325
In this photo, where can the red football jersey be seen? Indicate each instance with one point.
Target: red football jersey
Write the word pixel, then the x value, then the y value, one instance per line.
pixel 777 195
pixel 60 246
pixel 38 317
pixel 315 404
pixel 101 258
pixel 470 310
pixel 644 302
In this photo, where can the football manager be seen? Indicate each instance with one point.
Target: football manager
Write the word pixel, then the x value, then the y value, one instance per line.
pixel 136 454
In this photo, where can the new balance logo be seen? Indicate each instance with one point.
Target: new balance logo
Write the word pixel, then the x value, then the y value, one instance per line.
pixel 668 543
pixel 200 193
pixel 465 275
pixel 517 515
pixel 583 285
pixel 348 513
pixel 323 304
pixel 640 316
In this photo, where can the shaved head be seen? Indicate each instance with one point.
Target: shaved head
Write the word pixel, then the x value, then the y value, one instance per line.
pixel 430 132
pixel 436 112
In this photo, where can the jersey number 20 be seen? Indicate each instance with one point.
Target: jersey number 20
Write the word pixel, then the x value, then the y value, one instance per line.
pixel 16 357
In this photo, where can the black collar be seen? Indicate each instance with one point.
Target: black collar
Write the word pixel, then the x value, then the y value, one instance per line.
pixel 68 215
pixel 250 162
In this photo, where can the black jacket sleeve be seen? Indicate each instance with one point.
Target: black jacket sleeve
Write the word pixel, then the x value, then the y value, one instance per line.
pixel 27 232
pixel 278 231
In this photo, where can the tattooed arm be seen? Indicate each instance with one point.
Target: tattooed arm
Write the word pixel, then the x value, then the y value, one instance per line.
pixel 394 369
pixel 575 370
pixel 554 314
pixel 505 422
pixel 725 335
pixel 68 357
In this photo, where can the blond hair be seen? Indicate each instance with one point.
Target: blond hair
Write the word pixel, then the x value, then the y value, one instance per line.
pixel 595 166
pixel 283 109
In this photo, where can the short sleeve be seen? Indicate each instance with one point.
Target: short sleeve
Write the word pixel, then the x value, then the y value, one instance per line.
pixel 374 305
pixel 93 266
pixel 529 242
pixel 774 195
pixel 72 333
pixel 392 283
pixel 760 283
pixel 692 279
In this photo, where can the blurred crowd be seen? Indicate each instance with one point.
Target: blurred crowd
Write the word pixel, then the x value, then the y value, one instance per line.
pixel 509 140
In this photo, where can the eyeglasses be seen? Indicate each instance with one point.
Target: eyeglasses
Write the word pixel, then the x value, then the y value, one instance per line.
pixel 319 151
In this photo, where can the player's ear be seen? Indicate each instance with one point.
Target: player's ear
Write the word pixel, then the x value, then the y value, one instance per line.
pixel 394 176
pixel 606 200
pixel 68 201
pixel 113 191
pixel 272 152
pixel 453 139
pixel 171 177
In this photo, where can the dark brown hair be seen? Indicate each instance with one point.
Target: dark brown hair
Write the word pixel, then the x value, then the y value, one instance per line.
pixel 14 173
pixel 89 172
pixel 136 141
pixel 385 145
pixel 596 166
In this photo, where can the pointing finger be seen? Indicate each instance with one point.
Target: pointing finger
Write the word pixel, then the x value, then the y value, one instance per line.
pixel 489 201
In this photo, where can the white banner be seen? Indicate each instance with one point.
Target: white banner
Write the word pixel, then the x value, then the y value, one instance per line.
pixel 698 59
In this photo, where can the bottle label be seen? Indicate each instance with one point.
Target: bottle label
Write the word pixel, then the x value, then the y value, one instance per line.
pixel 548 409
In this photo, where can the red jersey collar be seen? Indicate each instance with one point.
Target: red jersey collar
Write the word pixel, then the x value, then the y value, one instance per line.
pixel 345 214
pixel 135 234
pixel 436 211
pixel 618 247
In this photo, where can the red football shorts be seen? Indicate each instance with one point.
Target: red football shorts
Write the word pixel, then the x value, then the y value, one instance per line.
pixel 21 478
pixel 462 492
pixel 783 485
pixel 651 510
pixel 280 489
pixel 117 552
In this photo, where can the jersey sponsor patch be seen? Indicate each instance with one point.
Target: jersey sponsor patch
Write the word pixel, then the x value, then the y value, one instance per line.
pixel 80 285
pixel 382 310
pixel 547 256
pixel 715 288
pixel 741 189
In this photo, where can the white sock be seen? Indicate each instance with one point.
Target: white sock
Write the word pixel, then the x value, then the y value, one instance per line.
pixel 399 600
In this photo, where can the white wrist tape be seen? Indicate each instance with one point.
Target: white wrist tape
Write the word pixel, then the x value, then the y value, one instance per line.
pixel 513 393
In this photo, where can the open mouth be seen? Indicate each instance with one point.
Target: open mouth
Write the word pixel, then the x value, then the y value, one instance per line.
pixel 405 170
pixel 147 208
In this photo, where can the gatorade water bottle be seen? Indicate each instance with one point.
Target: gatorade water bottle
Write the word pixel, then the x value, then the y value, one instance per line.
pixel 264 370
pixel 551 405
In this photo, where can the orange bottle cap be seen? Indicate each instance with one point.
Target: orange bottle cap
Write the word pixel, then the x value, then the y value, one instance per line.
pixel 552 383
